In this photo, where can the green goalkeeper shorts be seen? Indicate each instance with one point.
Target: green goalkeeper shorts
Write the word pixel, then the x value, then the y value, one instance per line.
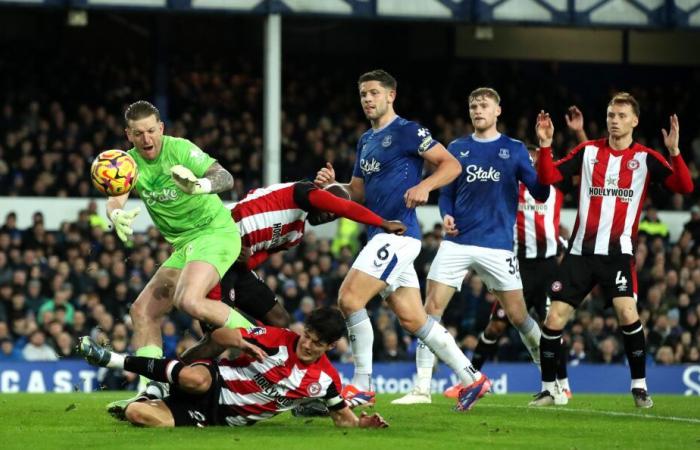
pixel 220 248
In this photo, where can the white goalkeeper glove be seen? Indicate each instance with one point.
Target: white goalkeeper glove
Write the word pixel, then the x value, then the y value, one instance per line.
pixel 122 222
pixel 187 182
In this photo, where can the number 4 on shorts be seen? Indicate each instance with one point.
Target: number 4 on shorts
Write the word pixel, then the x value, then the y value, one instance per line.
pixel 620 280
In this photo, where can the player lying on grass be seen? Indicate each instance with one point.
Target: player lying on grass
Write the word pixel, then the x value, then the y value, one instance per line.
pixel 277 371
pixel 273 219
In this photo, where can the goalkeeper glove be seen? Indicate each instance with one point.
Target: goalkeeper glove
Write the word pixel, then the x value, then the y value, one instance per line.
pixel 122 222
pixel 187 182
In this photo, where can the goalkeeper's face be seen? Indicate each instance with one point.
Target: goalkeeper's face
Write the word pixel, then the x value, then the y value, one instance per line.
pixel 146 135
pixel 310 347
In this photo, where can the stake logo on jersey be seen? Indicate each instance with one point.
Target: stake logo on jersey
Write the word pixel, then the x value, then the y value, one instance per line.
pixel 484 199
pixel 370 167
pixel 163 196
pixel 389 162
pixel 611 196
pixel 476 173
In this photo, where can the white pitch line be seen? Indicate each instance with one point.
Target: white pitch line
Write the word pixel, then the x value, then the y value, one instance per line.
pixel 595 411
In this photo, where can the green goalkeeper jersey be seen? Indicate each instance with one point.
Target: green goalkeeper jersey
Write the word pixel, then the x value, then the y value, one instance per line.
pixel 179 216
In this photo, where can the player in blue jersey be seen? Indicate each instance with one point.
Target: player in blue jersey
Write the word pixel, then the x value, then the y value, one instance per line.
pixel 478 211
pixel 387 178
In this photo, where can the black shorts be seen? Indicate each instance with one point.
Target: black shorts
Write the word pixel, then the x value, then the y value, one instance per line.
pixel 537 275
pixel 241 288
pixel 196 410
pixel 577 275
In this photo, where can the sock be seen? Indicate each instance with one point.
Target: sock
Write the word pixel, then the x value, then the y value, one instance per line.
pixel 550 346
pixel 562 376
pixel 236 320
pixel 635 345
pixel 148 351
pixel 116 361
pixel 166 370
pixel 530 334
pixel 484 350
pixel 441 342
pixel 361 339
pixel 425 361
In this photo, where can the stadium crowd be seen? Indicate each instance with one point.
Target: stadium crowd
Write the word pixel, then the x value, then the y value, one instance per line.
pixel 56 285
pixel 219 107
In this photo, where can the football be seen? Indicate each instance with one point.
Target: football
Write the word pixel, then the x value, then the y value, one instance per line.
pixel 114 172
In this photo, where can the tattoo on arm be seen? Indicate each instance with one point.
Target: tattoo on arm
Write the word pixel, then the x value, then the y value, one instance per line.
pixel 221 179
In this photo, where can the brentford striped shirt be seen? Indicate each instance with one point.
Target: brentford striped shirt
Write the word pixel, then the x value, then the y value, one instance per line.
pixel 537 224
pixel 270 218
pixel 611 194
pixel 252 391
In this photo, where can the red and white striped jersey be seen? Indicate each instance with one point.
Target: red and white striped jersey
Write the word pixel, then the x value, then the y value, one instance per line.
pixel 252 391
pixel 537 224
pixel 269 218
pixel 611 194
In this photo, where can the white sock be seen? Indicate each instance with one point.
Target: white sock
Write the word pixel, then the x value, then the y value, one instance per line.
pixel 361 340
pixel 441 342
pixel 639 383
pixel 564 384
pixel 530 334
pixel 550 386
pixel 116 361
pixel 425 360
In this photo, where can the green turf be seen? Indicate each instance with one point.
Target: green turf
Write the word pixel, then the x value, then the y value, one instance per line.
pixel 74 421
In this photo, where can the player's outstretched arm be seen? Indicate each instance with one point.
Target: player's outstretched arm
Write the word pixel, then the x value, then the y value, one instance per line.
pixel 547 173
pixel 220 178
pixel 447 168
pixel 216 179
pixel 232 337
pixel 680 180
pixel 346 418
pixel 325 201
pixel 574 120
pixel 121 219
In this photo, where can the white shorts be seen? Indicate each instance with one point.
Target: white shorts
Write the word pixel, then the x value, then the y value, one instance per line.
pixel 389 257
pixel 497 268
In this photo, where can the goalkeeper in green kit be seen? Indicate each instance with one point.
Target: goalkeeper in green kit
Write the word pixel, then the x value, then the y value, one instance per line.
pixel 178 183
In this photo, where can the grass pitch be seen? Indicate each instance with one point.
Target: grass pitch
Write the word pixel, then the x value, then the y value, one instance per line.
pixel 76 421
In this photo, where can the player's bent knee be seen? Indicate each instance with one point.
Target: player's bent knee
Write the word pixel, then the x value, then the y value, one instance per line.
pixel 195 379
pixel 190 306
pixel 135 413
pixel 139 311
pixel 350 301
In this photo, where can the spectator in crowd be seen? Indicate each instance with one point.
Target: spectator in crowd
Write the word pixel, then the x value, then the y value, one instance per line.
pixel 8 351
pixel 37 349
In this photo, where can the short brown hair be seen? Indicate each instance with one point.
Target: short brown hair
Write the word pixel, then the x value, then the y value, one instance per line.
pixel 625 98
pixel 484 92
pixel 140 110
pixel 384 78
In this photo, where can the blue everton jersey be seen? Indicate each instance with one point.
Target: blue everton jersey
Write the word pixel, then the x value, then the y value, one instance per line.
pixel 484 198
pixel 390 163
